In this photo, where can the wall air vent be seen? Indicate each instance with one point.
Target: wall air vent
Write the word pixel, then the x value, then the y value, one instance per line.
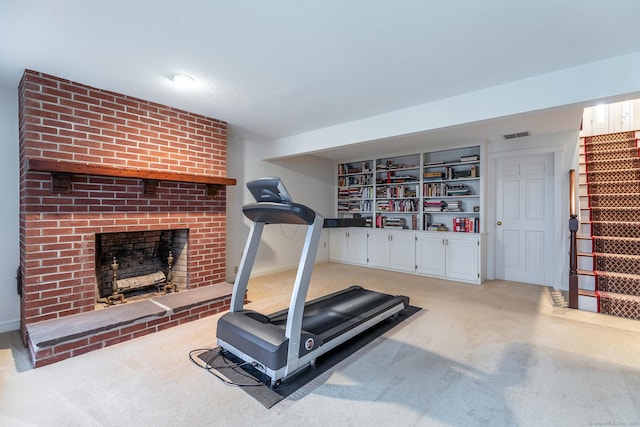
pixel 516 135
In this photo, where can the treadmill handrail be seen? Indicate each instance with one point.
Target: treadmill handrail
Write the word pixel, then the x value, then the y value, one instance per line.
pixel 293 329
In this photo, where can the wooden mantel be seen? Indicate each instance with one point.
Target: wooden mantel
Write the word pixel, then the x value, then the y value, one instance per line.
pixel 62 170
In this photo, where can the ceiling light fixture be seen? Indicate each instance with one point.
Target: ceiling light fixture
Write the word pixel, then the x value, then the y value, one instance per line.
pixel 182 79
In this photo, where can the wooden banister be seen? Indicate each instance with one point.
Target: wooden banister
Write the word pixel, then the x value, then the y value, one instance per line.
pixel 573 249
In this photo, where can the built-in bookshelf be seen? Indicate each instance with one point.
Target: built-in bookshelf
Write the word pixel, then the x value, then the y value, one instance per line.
pixel 355 189
pixel 431 191
pixel 397 201
pixel 451 189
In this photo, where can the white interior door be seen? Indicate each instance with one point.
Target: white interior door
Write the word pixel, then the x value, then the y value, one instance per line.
pixel 524 218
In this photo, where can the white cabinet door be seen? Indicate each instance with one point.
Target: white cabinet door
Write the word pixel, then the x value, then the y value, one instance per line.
pixel 379 242
pixel 430 254
pixel 357 246
pixel 402 251
pixel 462 257
pixel 338 244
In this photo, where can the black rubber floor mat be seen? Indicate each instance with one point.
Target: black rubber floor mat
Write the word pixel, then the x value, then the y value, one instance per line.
pixel 257 385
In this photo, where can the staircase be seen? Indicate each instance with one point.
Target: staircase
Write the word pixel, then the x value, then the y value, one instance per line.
pixel 609 235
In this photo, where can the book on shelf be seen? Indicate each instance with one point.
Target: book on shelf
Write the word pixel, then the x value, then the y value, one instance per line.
pixel 389 222
pixel 434 205
pixel 457 190
pixel 433 175
pixel 470 158
pixel 426 220
pixel 453 206
pixel 437 227
pixel 466 225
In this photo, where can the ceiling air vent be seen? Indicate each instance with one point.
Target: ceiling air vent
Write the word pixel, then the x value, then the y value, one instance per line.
pixel 516 135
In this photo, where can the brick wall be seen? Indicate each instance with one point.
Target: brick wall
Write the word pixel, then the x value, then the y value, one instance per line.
pixel 64 120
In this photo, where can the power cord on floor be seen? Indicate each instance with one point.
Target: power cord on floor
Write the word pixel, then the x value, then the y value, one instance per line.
pixel 226 364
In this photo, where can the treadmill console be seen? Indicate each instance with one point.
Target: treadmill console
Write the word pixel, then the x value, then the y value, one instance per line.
pixel 270 189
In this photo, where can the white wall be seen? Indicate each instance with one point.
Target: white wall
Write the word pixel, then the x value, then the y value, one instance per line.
pixel 310 180
pixel 9 210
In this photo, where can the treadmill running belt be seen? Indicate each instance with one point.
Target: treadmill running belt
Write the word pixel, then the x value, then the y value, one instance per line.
pixel 328 313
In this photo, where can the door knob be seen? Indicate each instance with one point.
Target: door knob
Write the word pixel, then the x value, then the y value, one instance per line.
pixel 499 223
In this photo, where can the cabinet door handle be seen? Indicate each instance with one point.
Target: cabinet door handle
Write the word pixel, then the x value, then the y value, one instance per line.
pixel 499 223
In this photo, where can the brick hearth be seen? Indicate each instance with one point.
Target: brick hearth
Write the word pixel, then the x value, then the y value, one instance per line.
pixel 69 122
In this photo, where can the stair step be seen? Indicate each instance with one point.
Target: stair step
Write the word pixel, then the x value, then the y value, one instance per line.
pixel 627 306
pixel 585 261
pixel 626 144
pixel 587 302
pixel 586 282
pixel 620 187
pixel 615 229
pixel 616 245
pixel 613 200
pixel 612 165
pixel 611 175
pixel 609 138
pixel 618 283
pixel 611 154
pixel 616 263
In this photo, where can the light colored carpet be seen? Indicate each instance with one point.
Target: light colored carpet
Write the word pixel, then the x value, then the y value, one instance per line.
pixel 497 354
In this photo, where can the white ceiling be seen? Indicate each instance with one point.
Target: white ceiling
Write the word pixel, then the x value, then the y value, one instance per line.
pixel 277 68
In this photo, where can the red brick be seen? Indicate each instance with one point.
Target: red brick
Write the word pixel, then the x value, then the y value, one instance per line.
pixel 87 349
pixel 61 348
pixel 40 362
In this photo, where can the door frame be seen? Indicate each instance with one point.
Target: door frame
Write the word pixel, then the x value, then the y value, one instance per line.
pixel 560 215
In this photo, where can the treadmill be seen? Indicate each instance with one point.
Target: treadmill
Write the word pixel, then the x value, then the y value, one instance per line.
pixel 283 343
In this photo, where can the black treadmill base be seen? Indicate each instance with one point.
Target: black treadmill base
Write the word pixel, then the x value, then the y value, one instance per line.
pixel 268 396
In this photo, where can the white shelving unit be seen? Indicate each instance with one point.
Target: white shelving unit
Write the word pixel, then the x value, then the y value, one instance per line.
pixel 403 197
pixel 397 192
pixel 452 190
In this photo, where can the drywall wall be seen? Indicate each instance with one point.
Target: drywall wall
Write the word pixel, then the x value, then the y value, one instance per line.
pixel 310 180
pixel 9 210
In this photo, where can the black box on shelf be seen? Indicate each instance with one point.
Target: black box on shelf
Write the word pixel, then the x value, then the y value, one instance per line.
pixel 344 222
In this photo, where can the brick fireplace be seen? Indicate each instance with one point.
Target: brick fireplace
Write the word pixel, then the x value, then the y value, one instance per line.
pixel 94 162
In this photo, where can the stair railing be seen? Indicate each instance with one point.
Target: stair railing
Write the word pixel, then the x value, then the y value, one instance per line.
pixel 573 245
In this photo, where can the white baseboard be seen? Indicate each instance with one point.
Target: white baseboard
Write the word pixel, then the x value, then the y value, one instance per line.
pixel 9 325
pixel 279 269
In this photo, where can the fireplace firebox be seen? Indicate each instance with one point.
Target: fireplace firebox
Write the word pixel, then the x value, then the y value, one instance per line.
pixel 139 264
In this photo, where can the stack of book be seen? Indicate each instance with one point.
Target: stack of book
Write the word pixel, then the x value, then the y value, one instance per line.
pixel 393 223
pixel 343 193
pixel 434 205
pixel 453 206
pixel 457 190
pixel 437 227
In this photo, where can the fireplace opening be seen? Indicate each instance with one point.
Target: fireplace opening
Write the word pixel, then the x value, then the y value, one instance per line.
pixel 141 264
